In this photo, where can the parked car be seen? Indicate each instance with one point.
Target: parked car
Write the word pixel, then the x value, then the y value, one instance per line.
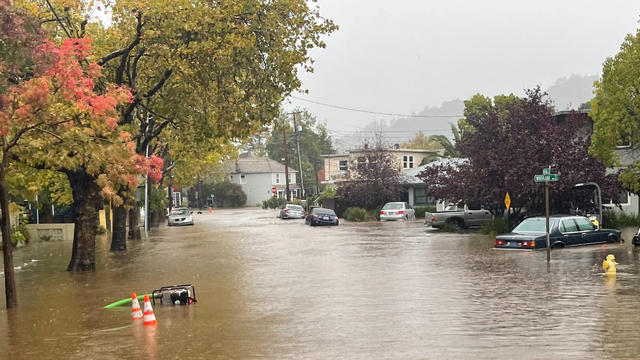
pixel 397 211
pixel 292 211
pixel 636 238
pixel 564 230
pixel 321 216
pixel 459 214
pixel 180 216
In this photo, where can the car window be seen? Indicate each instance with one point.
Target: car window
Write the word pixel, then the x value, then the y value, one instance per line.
pixel 324 211
pixel 294 207
pixel 180 212
pixel 584 224
pixel 392 206
pixel 535 225
pixel 568 225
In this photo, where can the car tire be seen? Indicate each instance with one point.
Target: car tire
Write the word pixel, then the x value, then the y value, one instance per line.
pixel 557 245
pixel 612 238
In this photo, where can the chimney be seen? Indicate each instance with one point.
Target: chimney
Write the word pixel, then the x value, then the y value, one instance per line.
pixel 366 146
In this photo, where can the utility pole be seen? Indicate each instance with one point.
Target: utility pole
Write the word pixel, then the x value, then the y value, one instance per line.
pixel 295 127
pixel 286 161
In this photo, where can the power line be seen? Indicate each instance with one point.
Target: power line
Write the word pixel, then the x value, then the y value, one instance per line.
pixel 374 112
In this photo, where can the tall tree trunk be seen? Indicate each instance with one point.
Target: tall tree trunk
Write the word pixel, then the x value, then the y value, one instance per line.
pixel 119 235
pixel 7 247
pixel 107 216
pixel 134 223
pixel 87 201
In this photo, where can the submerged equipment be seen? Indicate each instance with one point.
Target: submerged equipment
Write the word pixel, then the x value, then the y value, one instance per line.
pixel 175 295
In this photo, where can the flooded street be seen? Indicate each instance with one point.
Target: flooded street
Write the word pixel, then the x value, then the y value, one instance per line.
pixel 268 288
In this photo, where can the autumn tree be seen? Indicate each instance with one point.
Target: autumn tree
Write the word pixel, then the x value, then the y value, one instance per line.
pixel 615 111
pixel 229 63
pixel 55 116
pixel 509 140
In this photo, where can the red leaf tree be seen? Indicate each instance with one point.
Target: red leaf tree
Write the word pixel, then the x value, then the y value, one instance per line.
pixel 509 141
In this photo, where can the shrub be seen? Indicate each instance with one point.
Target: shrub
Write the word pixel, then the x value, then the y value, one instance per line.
pixel 18 239
pixel 374 214
pixel 229 195
pixel 355 214
pixel 616 220
pixel 496 226
pixel 274 203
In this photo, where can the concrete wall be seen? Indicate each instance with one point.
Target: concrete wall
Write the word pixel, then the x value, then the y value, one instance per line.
pixel 53 232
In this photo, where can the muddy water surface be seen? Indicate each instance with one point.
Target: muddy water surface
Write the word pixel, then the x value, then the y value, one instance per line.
pixel 276 289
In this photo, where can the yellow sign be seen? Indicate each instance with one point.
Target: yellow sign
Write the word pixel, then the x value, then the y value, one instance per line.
pixel 507 201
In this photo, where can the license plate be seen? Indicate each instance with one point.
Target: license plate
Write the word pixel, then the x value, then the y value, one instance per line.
pixel 392 212
pixel 325 218
pixel 512 243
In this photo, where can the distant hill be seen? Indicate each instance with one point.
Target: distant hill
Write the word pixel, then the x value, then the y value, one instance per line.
pixel 566 93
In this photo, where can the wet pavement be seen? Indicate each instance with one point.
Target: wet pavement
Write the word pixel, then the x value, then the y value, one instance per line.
pixel 276 289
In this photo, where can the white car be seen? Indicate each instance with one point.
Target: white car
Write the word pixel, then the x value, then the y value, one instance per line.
pixel 180 216
pixel 397 211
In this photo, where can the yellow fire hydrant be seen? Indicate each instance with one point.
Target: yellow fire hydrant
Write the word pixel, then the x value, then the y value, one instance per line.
pixel 609 265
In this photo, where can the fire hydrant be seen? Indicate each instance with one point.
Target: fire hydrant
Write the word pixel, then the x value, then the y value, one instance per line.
pixel 609 265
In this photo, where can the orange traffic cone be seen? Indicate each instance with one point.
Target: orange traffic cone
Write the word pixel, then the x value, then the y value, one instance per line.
pixel 136 313
pixel 149 318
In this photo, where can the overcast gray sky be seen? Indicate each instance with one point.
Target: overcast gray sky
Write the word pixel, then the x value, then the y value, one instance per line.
pixel 400 56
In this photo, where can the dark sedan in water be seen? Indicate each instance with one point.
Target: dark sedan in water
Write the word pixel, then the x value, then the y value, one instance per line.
pixel 563 231
pixel 321 216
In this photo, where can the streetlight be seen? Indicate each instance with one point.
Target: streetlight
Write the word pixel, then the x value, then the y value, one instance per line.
pixel 587 184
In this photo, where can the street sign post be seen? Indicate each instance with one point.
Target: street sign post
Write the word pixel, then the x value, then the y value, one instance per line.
pixel 507 204
pixel 546 177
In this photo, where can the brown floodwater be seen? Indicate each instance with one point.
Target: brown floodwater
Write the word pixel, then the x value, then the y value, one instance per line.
pixel 274 289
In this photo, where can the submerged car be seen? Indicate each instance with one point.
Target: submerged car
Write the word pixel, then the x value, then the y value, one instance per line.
pixel 180 216
pixel 397 211
pixel 321 216
pixel 563 231
pixel 292 211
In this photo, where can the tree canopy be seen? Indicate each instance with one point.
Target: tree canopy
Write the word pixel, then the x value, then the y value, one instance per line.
pixel 507 141
pixel 615 110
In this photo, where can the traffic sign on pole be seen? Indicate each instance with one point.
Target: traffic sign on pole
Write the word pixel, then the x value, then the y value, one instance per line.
pixel 507 201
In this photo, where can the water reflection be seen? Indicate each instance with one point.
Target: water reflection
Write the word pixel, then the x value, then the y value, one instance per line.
pixel 280 289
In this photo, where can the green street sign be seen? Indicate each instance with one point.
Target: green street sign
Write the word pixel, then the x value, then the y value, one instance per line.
pixel 546 171
pixel 546 177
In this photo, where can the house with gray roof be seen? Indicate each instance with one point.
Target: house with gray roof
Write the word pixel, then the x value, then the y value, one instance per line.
pixel 261 178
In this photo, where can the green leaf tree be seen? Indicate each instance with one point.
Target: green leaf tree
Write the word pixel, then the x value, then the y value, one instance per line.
pixel 615 111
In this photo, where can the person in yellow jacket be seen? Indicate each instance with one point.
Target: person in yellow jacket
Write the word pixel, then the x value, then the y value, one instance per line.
pixel 609 265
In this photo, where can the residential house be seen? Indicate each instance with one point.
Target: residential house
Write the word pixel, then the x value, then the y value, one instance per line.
pixel 259 177
pixel 408 162
pixel 336 165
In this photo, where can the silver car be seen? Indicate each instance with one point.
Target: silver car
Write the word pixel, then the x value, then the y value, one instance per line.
pixel 397 211
pixel 292 211
pixel 180 216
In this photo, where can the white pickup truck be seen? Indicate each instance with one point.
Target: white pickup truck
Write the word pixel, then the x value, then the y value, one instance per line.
pixel 460 215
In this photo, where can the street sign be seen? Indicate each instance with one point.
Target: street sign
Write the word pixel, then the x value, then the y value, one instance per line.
pixel 546 177
pixel 507 201
pixel 546 171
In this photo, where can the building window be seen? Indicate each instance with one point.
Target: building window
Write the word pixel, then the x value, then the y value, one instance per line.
pixel 343 165
pixel 625 140
pixel 362 161
pixel 292 178
pixel 231 178
pixel 277 178
pixel 407 162
pixel 623 198
pixel 420 196
pixel 242 179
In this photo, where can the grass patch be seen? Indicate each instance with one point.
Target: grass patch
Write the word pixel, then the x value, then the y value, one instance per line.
pixel 617 220
pixel 495 227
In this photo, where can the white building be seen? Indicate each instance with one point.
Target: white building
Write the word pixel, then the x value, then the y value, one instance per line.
pixel 260 176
